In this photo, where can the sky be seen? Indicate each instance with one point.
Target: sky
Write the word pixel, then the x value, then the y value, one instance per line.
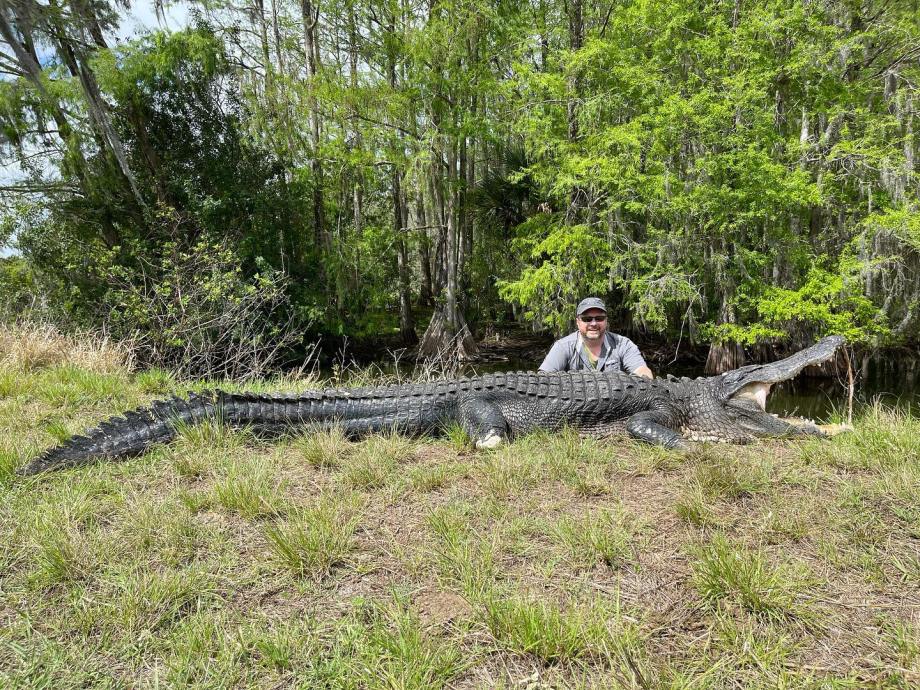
pixel 139 19
pixel 142 17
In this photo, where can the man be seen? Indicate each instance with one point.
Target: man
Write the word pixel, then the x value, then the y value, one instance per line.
pixel 592 347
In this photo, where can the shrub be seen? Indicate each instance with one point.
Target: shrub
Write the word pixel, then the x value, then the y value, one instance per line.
pixel 195 313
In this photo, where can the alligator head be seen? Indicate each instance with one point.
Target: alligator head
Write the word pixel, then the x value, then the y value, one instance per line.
pixel 733 408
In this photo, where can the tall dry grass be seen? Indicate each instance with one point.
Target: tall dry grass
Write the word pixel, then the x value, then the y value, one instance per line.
pixel 30 346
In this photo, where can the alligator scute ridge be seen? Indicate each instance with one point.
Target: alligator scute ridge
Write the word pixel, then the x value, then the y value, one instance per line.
pixel 490 408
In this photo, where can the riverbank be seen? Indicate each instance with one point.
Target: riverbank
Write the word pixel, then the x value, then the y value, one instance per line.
pixel 222 561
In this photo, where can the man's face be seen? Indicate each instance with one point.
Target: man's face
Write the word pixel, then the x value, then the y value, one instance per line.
pixel 588 325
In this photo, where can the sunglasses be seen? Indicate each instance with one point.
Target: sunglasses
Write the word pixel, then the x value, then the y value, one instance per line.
pixel 592 319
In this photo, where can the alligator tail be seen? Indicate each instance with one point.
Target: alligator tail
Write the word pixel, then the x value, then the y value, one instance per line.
pixel 137 431
pixel 131 434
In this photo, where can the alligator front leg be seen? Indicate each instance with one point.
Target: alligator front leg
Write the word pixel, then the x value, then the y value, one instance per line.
pixel 483 421
pixel 652 427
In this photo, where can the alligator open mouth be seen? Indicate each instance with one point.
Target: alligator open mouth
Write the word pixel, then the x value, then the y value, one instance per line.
pixel 756 392
pixel 746 390
pixel 754 381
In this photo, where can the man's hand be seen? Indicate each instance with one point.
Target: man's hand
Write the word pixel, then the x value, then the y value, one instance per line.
pixel 643 371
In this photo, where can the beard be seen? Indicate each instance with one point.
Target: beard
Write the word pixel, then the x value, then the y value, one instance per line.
pixel 593 335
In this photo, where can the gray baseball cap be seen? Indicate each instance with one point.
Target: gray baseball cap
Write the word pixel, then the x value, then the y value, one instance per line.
pixel 590 303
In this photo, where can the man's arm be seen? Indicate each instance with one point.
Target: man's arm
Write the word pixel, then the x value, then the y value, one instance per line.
pixel 632 360
pixel 557 359
pixel 643 371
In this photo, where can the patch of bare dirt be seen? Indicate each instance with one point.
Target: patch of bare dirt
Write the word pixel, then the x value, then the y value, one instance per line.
pixel 438 608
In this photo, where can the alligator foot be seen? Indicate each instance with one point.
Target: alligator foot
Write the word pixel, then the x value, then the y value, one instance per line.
pixel 652 427
pixel 493 439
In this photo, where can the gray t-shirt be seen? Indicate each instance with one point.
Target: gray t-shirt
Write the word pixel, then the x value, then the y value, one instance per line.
pixel 619 353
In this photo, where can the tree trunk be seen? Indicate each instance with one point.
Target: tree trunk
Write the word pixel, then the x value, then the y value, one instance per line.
pixel 439 218
pixel 99 115
pixel 29 66
pixel 463 219
pixel 310 19
pixel 544 37
pixel 448 335
pixel 724 356
pixel 358 186
pixel 406 323
pixel 424 250
pixel 135 112
pixel 452 248
pixel 576 40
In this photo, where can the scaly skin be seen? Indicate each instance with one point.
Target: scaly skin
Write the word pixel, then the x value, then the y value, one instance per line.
pixel 490 409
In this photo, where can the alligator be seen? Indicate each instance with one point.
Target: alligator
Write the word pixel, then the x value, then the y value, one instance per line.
pixel 493 408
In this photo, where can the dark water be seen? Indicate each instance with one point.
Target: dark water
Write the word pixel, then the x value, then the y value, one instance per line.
pixel 893 384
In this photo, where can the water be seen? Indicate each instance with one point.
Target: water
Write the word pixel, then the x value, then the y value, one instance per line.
pixel 889 384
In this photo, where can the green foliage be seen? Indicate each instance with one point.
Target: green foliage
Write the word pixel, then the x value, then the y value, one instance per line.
pixel 828 302
pixel 739 172
pixel 18 287
pixel 903 223
pixel 569 262
pixel 709 188
pixel 200 313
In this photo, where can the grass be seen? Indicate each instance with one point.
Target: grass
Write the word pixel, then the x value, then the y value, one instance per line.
pixel 463 558
pixel 727 573
pixel 37 346
pixel 556 561
pixel 397 654
pixel 325 449
pixel 729 478
pixel 554 633
pixel 694 506
pixel 149 601
pixel 312 540
pixel 251 488
pixel 376 461
pixel 604 536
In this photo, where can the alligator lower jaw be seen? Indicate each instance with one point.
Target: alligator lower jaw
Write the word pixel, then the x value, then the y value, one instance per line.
pixel 802 422
pixel 827 429
pixel 758 393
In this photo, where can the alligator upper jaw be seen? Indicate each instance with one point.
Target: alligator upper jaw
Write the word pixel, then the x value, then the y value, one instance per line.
pixel 754 382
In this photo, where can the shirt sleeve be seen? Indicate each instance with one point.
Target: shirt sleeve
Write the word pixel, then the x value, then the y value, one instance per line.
pixel 558 357
pixel 630 357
